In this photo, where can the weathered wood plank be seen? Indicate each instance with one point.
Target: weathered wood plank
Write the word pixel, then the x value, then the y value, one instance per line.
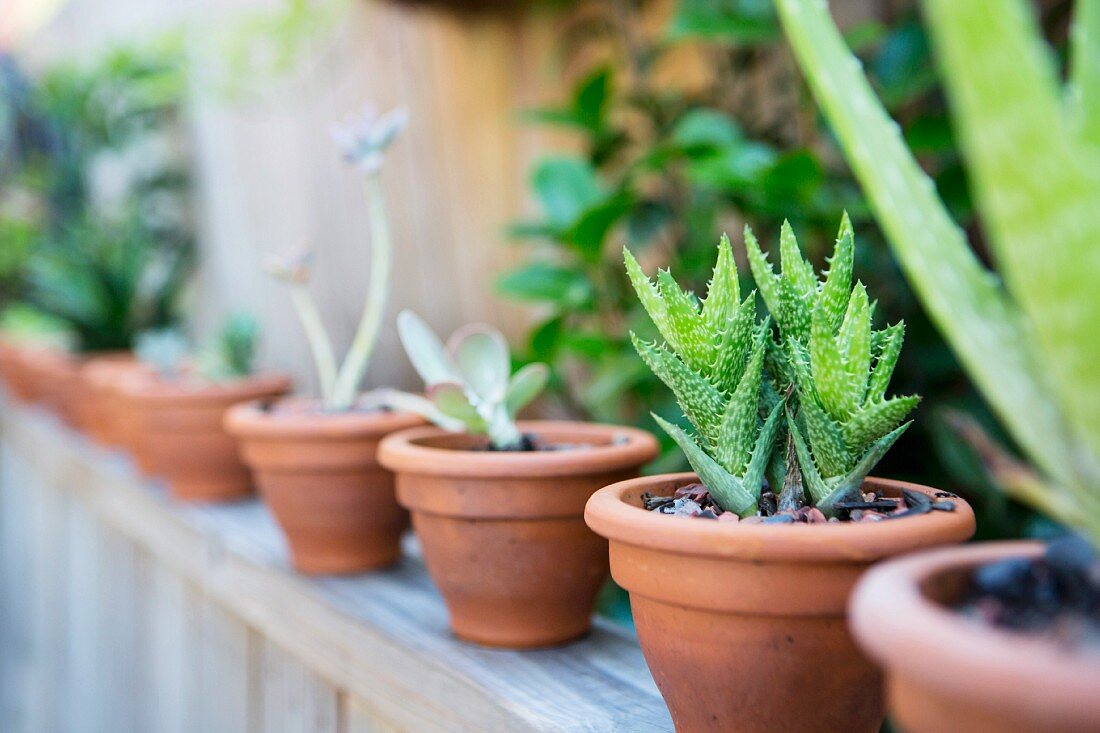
pixel 380 639
pixel 295 699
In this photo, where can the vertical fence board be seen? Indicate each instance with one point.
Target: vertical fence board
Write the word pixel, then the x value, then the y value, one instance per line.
pixel 229 698
pixel 295 700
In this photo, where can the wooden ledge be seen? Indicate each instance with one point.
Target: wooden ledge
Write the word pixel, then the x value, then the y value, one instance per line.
pixel 380 639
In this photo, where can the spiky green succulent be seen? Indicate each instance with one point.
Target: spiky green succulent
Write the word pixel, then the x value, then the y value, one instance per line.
pixel 469 383
pixel 839 365
pixel 713 361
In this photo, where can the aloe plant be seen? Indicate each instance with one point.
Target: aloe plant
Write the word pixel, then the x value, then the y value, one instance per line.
pixel 469 383
pixel 363 140
pixel 713 361
pixel 1024 334
pixel 839 365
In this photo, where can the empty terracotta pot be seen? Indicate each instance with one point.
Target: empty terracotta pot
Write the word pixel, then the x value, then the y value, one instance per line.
pixel 503 533
pixel 319 474
pixel 743 625
pixel 949 674
pixel 181 436
pixel 14 373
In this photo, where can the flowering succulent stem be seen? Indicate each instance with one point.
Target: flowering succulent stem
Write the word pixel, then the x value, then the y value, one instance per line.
pixel 366 336
pixel 319 344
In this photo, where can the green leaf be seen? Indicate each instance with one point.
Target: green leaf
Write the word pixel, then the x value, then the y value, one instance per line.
pixel 592 97
pixel 1085 70
pixel 593 225
pixel 888 348
pixel 798 271
pixel 648 295
pixel 543 282
pixel 738 21
pixel 738 428
pixel 425 350
pixel 811 477
pixel 481 355
pixel 1036 185
pixel 566 187
pixel 450 399
pixel 724 488
pixel 778 293
pixel 875 419
pixel 724 292
pixel 855 344
pixel 761 454
pixel 700 401
pixel 702 130
pixel 689 335
pixel 827 365
pixel 734 347
pixel 836 291
pixel 525 385
pixel 967 304
pixel 825 437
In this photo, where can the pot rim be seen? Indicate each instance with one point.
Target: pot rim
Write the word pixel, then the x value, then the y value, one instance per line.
pixel 402 453
pixel 249 421
pixel 146 388
pixel 610 515
pixel 896 624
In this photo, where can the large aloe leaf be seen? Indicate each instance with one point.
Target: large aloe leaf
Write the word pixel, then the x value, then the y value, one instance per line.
pixel 1038 190
pixel 1085 86
pixel 968 303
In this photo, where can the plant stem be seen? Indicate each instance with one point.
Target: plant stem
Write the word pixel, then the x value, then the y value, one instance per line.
pixel 366 336
pixel 319 344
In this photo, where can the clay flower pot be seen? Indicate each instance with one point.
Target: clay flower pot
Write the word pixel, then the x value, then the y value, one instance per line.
pixel 55 375
pixel 743 625
pixel 319 475
pixel 96 406
pixel 945 672
pixel 179 427
pixel 13 371
pixel 503 533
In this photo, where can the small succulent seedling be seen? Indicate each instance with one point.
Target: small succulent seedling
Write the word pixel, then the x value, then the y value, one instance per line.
pixel 233 352
pixel 363 140
pixel 713 361
pixel 469 382
pixel 840 367
pixel 228 356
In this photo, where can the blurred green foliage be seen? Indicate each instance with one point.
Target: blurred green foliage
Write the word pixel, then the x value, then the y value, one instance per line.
pixel 665 170
pixel 93 195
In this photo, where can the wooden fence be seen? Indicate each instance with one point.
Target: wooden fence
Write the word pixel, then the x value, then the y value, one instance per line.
pixel 122 611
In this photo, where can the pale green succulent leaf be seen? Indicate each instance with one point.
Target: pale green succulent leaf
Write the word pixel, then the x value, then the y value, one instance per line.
pixel 702 404
pixel 738 429
pixel 1037 186
pixel 855 344
pixel 826 439
pixel 723 486
pixel 648 294
pixel 827 365
pixel 811 477
pixel 419 405
pixel 834 295
pixel 762 452
pixel 724 291
pixel 451 399
pixel 874 420
pixel 962 298
pixel 734 347
pixel 778 295
pixel 886 344
pixel 796 270
pixel 1085 71
pixel 688 334
pixel 481 355
pixel 425 350
pixel 525 385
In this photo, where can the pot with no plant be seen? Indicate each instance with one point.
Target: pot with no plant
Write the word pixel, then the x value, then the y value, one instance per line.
pixel 25 332
pixel 498 505
pixel 315 460
pixel 999 637
pixel 739 573
pixel 178 409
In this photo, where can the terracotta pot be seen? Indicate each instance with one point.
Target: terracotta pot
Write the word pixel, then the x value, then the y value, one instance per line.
pixel 503 533
pixel 180 433
pixel 96 407
pixel 319 474
pixel 946 673
pixel 743 626
pixel 13 371
pixel 55 375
